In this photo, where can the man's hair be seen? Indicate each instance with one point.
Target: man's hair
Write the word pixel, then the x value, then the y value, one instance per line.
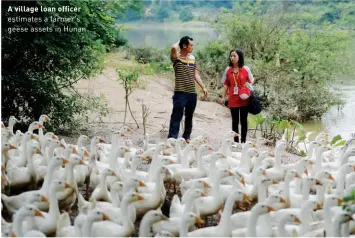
pixel 184 41
pixel 240 56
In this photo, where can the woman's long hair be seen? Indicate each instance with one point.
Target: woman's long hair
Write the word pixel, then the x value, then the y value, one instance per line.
pixel 240 57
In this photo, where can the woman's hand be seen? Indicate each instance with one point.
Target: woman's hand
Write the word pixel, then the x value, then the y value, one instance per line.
pixel 223 100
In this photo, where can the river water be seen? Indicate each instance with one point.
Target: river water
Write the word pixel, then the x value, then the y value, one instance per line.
pixel 160 35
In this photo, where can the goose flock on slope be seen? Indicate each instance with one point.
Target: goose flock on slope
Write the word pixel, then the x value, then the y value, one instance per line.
pixel 303 198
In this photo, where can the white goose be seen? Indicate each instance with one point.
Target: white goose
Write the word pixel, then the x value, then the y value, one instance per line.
pixel 224 228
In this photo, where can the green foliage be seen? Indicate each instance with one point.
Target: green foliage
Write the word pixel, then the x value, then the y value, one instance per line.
pixel 129 78
pixel 212 60
pixel 293 68
pixel 350 197
pixel 155 60
pixel 335 139
pixel 186 14
pixel 340 143
pixel 39 70
pixel 161 13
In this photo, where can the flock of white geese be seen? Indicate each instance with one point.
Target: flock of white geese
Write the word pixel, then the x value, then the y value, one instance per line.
pixel 303 198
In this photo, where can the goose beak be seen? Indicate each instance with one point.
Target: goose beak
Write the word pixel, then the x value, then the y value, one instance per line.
pixel 230 173
pixel 13 234
pixel 270 209
pixel 254 145
pixel 203 194
pixel 354 168
pixel 243 181
pixel 126 150
pixel 236 134
pixel 113 174
pixel 65 161
pixel 67 185
pixel 282 200
pixel 140 198
pixel 340 201
pixel 74 151
pixel 210 148
pixel 12 147
pixel 164 218
pixel 40 126
pixel 105 217
pixel 264 173
pixel 33 137
pixel 331 177
pixel 101 140
pixel 198 220
pixel 44 199
pixel 81 161
pixel 318 182
pixel 223 156
pixel 129 129
pixel 38 213
pixel 122 134
pixel 62 145
pixel 275 182
pixel 206 185
pixel 144 158
pixel 141 184
pixel 38 151
pixel 54 137
pixel 319 206
pixel 297 175
pixel 297 220
pixel 86 153
pixel 246 197
pixel 46 118
pixel 306 172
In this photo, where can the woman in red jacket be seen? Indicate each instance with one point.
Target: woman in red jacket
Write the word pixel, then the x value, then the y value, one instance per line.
pixel 237 80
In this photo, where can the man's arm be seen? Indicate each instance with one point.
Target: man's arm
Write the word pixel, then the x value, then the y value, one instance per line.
pixel 174 51
pixel 199 82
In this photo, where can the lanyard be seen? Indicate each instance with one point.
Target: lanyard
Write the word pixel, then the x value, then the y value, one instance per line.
pixel 235 81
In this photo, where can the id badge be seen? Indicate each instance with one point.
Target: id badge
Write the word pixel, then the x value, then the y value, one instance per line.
pixel 235 91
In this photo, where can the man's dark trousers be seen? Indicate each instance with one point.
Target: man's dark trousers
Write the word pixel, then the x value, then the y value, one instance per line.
pixel 181 101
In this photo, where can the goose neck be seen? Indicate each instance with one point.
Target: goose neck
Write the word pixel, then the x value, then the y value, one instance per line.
pixel 18 218
pixel 226 222
pixel 281 228
pixel 183 229
pixel 87 231
pixel 53 206
pixel 262 190
pixel 251 228
pixel 144 228
pixel 48 179
pixel 305 191
pixel 185 157
pixel 278 158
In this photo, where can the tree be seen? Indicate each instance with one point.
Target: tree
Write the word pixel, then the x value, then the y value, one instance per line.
pixel 39 69
pixel 293 67
pixel 186 14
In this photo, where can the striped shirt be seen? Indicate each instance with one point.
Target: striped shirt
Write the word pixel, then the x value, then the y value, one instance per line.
pixel 184 69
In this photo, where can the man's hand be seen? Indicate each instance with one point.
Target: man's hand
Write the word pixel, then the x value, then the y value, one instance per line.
pixel 205 91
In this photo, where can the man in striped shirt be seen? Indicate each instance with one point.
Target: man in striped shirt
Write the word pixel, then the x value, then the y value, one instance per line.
pixel 185 97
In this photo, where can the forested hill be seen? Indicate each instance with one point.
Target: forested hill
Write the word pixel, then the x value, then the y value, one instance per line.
pixel 316 12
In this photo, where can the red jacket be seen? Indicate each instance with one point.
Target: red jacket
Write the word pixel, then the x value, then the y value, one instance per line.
pixel 241 78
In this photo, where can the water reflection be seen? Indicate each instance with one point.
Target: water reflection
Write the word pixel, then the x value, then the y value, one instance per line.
pixel 162 36
pixel 338 120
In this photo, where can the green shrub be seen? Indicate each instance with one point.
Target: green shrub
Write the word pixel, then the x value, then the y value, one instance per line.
pixel 39 70
pixel 186 14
